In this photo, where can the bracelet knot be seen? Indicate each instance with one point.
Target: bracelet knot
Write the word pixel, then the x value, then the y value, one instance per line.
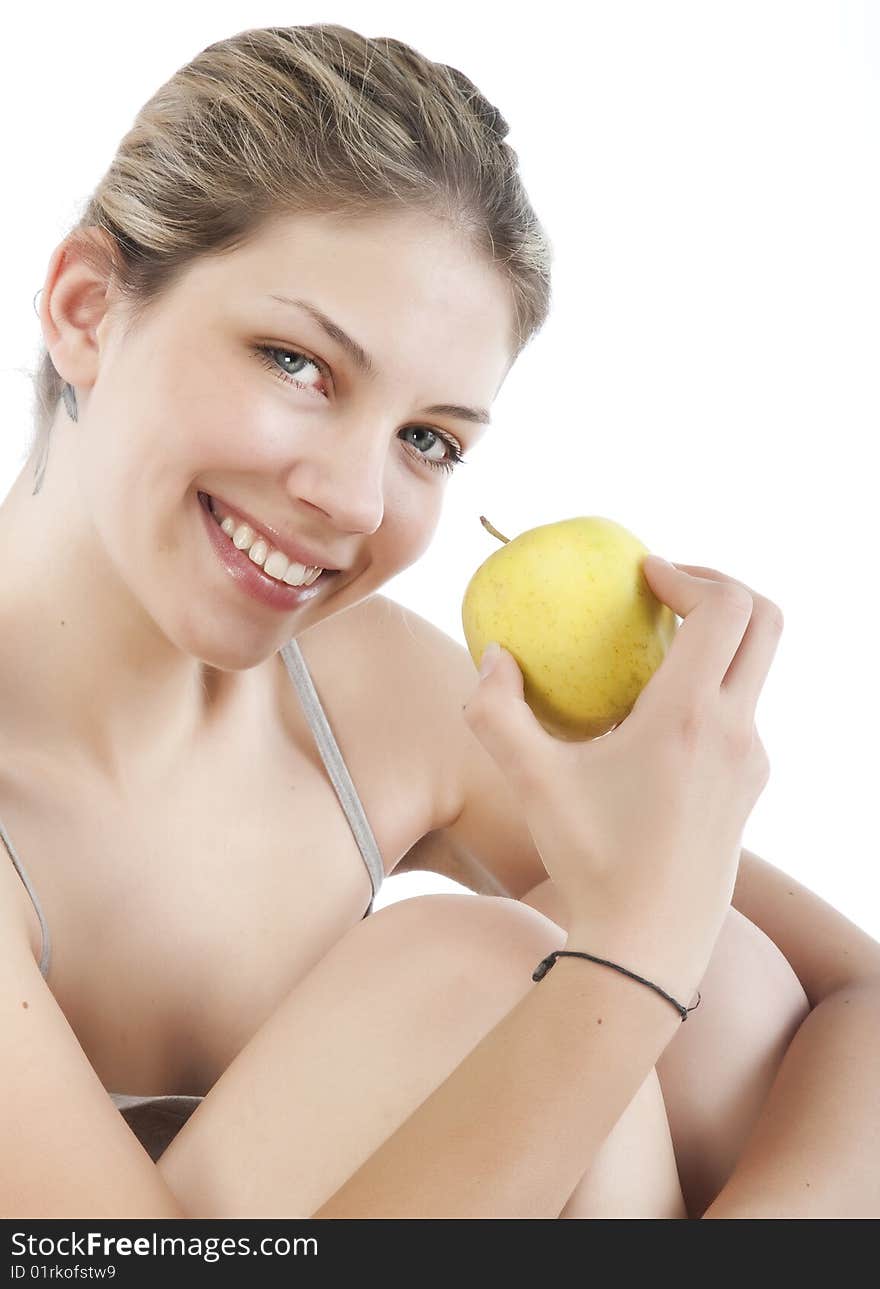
pixel 546 963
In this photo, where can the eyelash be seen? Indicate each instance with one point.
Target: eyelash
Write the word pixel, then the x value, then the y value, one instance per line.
pixel 263 352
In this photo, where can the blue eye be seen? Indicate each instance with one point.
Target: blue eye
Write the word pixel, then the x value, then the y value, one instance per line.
pixel 265 355
pixel 449 463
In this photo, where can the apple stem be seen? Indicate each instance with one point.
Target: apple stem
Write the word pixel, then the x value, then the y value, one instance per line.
pixel 494 531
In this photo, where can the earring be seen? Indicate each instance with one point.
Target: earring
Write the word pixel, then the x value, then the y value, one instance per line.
pixel 36 293
pixel 69 395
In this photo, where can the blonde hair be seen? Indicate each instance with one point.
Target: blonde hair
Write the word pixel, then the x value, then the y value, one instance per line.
pixel 310 119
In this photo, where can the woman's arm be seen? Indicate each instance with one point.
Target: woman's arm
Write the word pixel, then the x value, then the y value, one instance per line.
pixel 65 1150
pixel 813 1152
pixel 826 950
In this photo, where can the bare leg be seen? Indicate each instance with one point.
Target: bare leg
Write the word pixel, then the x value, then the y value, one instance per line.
pixel 717 1076
pixel 634 1174
pixel 716 1073
pixel 360 1042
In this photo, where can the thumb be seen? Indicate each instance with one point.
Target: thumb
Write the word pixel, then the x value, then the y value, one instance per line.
pixel 501 718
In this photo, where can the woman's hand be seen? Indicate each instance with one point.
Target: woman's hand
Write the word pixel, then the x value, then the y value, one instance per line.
pixel 641 829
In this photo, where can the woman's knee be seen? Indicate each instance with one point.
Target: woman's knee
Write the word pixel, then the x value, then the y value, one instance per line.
pixel 488 941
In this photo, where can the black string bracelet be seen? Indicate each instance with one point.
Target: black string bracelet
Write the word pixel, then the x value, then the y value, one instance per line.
pixel 546 963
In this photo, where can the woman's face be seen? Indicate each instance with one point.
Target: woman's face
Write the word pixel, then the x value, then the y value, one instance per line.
pixel 201 398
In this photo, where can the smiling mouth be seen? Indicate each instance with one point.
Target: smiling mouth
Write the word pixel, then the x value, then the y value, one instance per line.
pixel 272 562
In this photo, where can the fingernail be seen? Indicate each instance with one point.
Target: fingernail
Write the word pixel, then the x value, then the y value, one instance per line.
pixel 658 560
pixel 491 654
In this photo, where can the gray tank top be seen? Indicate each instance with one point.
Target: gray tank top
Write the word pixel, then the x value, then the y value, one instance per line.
pixel 156 1120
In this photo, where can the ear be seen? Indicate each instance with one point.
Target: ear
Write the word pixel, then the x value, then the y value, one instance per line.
pixel 75 302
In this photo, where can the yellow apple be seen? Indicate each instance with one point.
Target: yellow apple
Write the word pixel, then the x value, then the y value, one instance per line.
pixel 570 602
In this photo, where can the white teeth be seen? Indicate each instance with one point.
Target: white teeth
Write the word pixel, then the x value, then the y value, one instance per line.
pixel 276 565
pixel 258 552
pixel 273 562
pixel 243 536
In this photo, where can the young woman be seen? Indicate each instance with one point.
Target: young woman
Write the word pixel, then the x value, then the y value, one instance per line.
pixel 283 316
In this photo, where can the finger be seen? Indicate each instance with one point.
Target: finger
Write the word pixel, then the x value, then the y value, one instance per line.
pixel 505 724
pixel 748 671
pixel 706 642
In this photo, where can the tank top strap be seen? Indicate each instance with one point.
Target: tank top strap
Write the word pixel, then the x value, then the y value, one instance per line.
pixel 334 764
pixel 44 928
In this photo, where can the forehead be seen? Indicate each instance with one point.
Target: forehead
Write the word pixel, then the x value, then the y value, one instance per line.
pixel 379 259
pixel 414 237
pixel 406 269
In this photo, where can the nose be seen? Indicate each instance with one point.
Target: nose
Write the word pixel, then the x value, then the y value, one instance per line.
pixel 346 480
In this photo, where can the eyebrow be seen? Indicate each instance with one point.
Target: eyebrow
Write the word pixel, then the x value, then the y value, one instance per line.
pixel 364 363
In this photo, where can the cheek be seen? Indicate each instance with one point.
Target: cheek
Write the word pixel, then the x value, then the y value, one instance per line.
pixel 247 436
pixel 412 513
pixel 113 475
pixel 216 413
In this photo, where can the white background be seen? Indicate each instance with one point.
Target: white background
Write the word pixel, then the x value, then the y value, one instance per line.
pixel 708 176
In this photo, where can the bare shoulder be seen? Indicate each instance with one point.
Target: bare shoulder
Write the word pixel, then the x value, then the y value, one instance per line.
pixel 436 671
pixel 482 841
pixel 389 622
pixel 421 641
pixel 415 678
pixel 433 676
pixel 384 675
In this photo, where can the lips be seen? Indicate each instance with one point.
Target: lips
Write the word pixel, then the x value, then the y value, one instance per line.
pixel 249 577
pixel 289 546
